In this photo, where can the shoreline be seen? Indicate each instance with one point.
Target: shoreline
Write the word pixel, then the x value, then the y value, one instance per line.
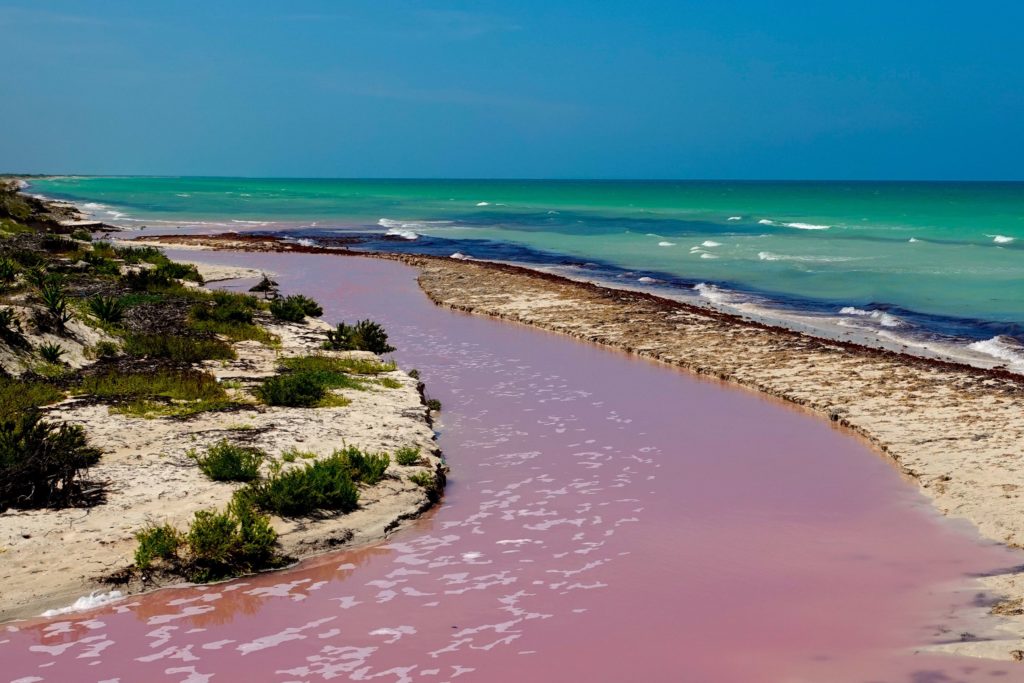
pixel 954 429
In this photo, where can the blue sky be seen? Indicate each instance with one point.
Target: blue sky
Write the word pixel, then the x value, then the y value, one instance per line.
pixel 572 88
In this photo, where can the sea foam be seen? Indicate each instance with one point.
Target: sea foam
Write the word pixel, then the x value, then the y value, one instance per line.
pixel 884 319
pixel 86 602
pixel 734 218
pixel 710 243
pixel 399 232
pixel 1001 239
pixel 1001 347
pixel 666 244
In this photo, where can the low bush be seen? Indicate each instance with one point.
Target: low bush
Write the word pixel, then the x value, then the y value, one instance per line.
pixel 50 352
pixel 414 373
pixel 433 404
pixel 332 373
pixel 407 455
pixel 104 349
pixel 225 461
pixel 365 335
pixel 18 396
pixel 236 541
pixel 179 271
pixel 8 270
pixel 324 484
pixel 108 309
pixel 230 315
pixel 184 349
pixel 41 462
pixel 365 468
pixel 295 308
pixel 145 280
pixel 425 479
pixel 295 390
pixel 82 235
pixel 157 543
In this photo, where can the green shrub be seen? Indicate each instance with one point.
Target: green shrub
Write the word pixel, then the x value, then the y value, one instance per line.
pixel 108 309
pixel 288 456
pixel 82 234
pixel 51 353
pixel 414 373
pixel 145 280
pixel 363 467
pixel 295 308
pixel 230 315
pixel 184 349
pixel 105 349
pixel 225 461
pixel 157 542
pixel 296 390
pixel 425 479
pixel 331 373
pixel 407 455
pixel 41 462
pixel 179 271
pixel 365 335
pixel 214 543
pixel 19 396
pixel 8 270
pixel 324 484
pixel 433 404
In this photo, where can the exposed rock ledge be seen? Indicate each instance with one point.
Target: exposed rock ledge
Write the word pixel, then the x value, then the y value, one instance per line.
pixel 48 558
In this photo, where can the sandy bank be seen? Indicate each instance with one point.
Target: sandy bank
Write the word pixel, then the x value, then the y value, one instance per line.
pixel 957 430
pixel 48 558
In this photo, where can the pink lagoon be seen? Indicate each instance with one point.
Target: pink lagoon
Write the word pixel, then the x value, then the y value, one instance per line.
pixel 606 519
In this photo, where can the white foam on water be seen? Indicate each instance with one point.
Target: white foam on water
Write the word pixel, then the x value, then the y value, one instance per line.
pixel 409 225
pixel 1001 239
pixel 807 226
pixel 714 294
pixel 483 203
pixel 647 279
pixel 710 244
pixel 459 256
pixel 707 255
pixel 86 602
pixel 404 234
pixel 1003 348
pixel 666 244
pixel 884 319
pixel 734 218
pixel 94 206
pixel 765 221
pixel 913 240
pixel 770 256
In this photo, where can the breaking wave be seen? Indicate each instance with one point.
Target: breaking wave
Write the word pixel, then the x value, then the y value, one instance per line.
pixel 881 317
pixel 86 602
pixel 1001 347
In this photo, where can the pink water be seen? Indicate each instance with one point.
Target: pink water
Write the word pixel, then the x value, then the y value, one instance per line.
pixel 607 519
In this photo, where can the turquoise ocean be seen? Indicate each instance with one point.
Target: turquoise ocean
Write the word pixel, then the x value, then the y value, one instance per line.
pixel 933 265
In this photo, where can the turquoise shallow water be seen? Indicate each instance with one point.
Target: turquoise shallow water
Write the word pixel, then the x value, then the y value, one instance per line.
pixel 918 260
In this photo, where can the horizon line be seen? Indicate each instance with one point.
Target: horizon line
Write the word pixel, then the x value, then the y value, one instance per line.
pixel 40 176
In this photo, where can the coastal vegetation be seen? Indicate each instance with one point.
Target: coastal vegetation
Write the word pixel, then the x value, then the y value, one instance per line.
pixel 87 323
pixel 225 461
pixel 365 335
